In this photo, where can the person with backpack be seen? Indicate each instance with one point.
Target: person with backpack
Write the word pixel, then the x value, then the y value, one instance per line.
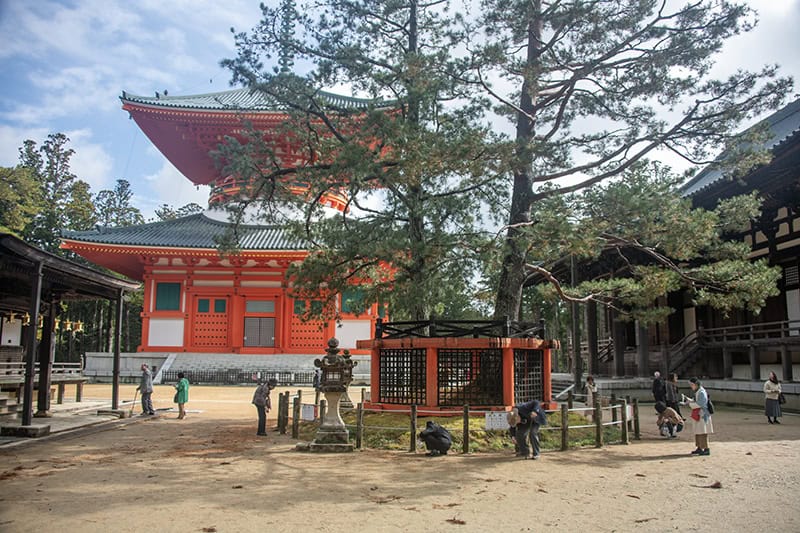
pixel 436 438
pixel 702 410
pixel 525 419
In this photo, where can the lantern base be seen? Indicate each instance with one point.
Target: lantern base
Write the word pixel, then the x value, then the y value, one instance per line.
pixel 330 448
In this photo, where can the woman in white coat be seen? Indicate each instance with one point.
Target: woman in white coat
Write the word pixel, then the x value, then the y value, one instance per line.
pixel 772 394
pixel 701 418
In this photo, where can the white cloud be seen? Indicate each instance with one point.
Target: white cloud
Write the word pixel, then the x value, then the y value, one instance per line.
pixel 91 162
pixel 11 139
pixel 167 186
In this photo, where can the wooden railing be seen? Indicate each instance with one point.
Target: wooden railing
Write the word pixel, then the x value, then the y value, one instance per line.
pixel 16 370
pixel 683 350
pixel 787 331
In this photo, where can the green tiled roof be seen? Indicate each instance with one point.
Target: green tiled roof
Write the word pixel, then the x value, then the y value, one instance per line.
pixel 242 100
pixel 193 231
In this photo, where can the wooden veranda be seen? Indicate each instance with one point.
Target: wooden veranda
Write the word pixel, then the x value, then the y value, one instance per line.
pixel 33 283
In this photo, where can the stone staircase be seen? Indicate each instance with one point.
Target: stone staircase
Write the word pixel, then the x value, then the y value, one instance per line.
pixel 559 383
pixel 9 407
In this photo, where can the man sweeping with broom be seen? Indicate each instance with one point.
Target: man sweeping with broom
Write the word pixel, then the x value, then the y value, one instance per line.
pixel 146 388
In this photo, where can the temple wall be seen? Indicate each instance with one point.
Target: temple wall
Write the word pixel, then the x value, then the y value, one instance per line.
pixel 350 331
pixel 166 332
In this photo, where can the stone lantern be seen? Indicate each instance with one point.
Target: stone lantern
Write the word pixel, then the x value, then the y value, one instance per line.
pixel 337 374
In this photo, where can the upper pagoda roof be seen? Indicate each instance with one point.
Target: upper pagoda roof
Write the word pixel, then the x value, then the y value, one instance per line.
pixel 246 99
pixel 194 231
pixel 784 128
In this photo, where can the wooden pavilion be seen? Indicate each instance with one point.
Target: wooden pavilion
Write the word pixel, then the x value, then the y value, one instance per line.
pixel 32 285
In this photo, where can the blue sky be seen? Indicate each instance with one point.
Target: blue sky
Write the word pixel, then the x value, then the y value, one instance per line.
pixel 64 64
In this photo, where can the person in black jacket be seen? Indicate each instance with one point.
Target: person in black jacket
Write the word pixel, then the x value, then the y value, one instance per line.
pixel 659 388
pixel 525 420
pixel 436 438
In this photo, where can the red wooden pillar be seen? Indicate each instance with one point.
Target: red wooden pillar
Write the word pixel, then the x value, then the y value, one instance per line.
pixel 431 377
pixel 547 386
pixel 375 371
pixel 508 376
pixel 188 310
pixel 147 308
pixel 236 323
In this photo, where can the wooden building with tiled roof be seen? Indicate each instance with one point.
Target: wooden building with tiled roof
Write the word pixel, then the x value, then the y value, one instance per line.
pixel 699 340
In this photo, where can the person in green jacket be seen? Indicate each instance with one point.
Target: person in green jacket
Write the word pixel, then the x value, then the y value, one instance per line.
pixel 181 395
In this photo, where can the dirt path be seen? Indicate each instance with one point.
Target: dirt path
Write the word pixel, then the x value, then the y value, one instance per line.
pixel 210 472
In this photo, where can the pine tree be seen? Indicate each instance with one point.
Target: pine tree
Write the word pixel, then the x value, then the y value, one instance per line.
pixel 414 169
pixel 594 87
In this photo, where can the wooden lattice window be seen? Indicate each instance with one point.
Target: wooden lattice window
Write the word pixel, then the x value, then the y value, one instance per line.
pixel 470 377
pixel 402 376
pixel 791 276
pixel 528 375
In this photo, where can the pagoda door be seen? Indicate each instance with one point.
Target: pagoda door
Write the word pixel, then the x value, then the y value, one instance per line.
pixel 259 323
pixel 210 329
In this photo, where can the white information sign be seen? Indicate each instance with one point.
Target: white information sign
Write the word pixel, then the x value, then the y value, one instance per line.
pixel 307 412
pixel 496 420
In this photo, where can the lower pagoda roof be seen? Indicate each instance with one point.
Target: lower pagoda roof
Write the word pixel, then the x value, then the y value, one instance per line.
pixel 121 248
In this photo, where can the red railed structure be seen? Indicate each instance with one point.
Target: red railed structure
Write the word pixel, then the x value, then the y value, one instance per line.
pixel 443 365
pixel 196 299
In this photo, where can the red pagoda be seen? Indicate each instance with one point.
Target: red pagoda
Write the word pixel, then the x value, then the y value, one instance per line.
pixel 196 299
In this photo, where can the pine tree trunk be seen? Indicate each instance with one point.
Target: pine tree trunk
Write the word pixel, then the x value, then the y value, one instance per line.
pixel 512 276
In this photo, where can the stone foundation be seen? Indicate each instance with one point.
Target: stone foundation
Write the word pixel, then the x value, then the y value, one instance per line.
pixel 32 431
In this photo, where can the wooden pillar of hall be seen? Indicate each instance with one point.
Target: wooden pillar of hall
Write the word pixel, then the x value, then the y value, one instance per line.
pixel 618 334
pixel 47 351
pixel 727 363
pixel 642 351
pixel 786 363
pixel 755 364
pixel 591 337
pixel 508 376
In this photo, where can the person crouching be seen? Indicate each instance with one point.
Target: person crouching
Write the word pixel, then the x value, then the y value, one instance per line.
pixel 436 438
pixel 669 422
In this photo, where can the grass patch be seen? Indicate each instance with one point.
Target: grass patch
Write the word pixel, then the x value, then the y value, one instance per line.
pixel 392 431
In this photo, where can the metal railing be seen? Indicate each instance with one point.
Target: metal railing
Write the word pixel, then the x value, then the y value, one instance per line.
pixel 238 376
